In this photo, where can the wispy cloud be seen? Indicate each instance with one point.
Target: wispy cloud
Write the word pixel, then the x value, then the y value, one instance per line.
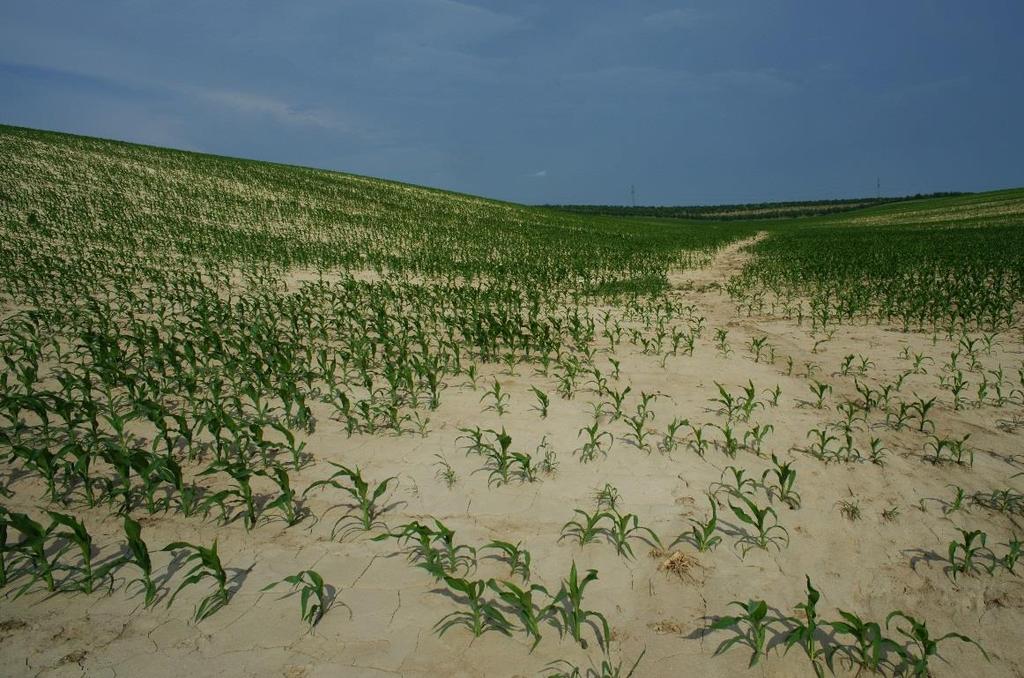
pixel 281 111
pixel 539 174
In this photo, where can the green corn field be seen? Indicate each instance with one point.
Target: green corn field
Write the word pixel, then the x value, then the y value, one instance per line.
pixel 218 373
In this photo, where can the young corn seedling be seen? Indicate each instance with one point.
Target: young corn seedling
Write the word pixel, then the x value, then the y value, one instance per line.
pixel 569 603
pixel 754 438
pixel 784 477
pixel 878 452
pixel 698 442
pixel 78 535
pixel 922 646
pixel 963 555
pixel 957 503
pixel 805 631
pixel 543 402
pixel 849 509
pixel 594 442
pixel 769 533
pixel 515 556
pixel 585 531
pixel 291 509
pixel 957 450
pixel 625 527
pixel 870 648
pixel 521 600
pixel 890 514
pixel 445 473
pixel 314 598
pixel 498 397
pixel 921 408
pixel 730 444
pixel 722 342
pixel 475 439
pixel 702 534
pixel 670 441
pixel 729 405
pixel 548 464
pixel 138 555
pixel 740 486
pixel 819 447
pixel 365 502
pixel 820 390
pixel 1010 558
pixel 566 669
pixel 757 347
pixel 482 615
pixel 638 427
pixel 750 628
pixel 32 548
pixel 207 566
pixel 242 475
pixel 607 498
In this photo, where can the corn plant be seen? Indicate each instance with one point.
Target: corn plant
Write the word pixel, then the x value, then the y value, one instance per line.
pixel 586 529
pixel 963 555
pixel 515 556
pixel 607 498
pixel 499 399
pixel 722 342
pixel 548 464
pixel 740 485
pixel 291 509
pixel 445 473
pixel 670 440
pixel 32 548
pixel 702 534
pixel 954 448
pixel 569 603
pixel 365 502
pixel 921 408
pixel 482 615
pixel 625 527
pixel 638 427
pixel 207 566
pixel 730 444
pixel 313 596
pixel 435 548
pixel 697 440
pixel 1010 558
pixel 593 444
pixel 819 390
pixel 750 627
pixel 769 532
pixel 870 647
pixel 78 535
pixel 784 479
pixel 922 646
pixel 531 614
pixel 138 555
pixel 754 438
pixel 805 631
pixel 543 402
pixel 565 669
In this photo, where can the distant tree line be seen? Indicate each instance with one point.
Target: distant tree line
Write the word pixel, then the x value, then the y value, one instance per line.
pixel 760 210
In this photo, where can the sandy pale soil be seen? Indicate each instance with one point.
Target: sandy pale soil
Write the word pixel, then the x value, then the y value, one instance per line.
pixel 659 602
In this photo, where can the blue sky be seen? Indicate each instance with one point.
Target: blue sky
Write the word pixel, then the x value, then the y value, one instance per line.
pixel 548 100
